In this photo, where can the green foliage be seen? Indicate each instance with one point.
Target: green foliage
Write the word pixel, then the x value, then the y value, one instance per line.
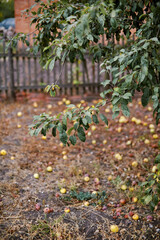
pixel 96 198
pixel 81 117
pixel 151 187
pixel 6 9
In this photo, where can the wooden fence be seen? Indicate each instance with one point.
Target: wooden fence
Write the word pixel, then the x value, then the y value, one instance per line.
pixel 21 71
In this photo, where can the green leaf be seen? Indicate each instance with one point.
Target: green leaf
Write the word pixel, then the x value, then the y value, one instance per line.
pixel 63 137
pixel 115 114
pixel 106 82
pixel 148 199
pixel 95 119
pixel 155 199
pixel 51 65
pixel 157 159
pixel 76 125
pixel 84 120
pixel 54 131
pixel 89 119
pixel 73 140
pixel 103 118
pixel 70 130
pixel 52 93
pixel 125 110
pixel 145 97
pixel 81 134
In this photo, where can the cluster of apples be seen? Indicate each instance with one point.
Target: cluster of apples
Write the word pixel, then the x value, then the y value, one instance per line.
pixel 48 169
pixel 19 114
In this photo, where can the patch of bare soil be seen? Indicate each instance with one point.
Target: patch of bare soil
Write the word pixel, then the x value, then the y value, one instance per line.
pixel 24 198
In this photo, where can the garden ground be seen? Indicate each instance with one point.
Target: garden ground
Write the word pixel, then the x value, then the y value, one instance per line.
pixel 23 198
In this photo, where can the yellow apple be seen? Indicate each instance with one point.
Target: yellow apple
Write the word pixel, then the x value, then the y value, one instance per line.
pixel 104 142
pixel 36 175
pixel 89 134
pixel 154 169
pixel 147 141
pixel 35 105
pixel 93 128
pixel 123 187
pixel 128 142
pixel 152 130
pixel 63 190
pixel 114 228
pixel 19 114
pixel 86 179
pixel 135 217
pixel 67 210
pixel 93 142
pixel 19 126
pixel 49 169
pixel 3 152
pixel 82 101
pixel 107 110
pixel 44 137
pixel 86 204
pixel 134 199
pixel 12 158
pixel 60 103
pixel 49 106
pixel 119 129
pixel 65 157
pixel 67 102
pixel 145 160
pixel 155 136
pixel 118 156
pixel 134 164
pixel 64 153
pixel 151 126
pixel 110 178
pixel 149 109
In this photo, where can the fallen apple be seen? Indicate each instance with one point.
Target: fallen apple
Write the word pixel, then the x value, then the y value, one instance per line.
pixel 46 210
pixel 67 210
pixel 155 136
pixel 49 169
pixel 104 142
pixel 19 114
pixel 114 228
pixel 35 105
pixel 154 169
pixel 86 204
pixel 63 190
pixel 134 199
pixel 146 141
pixel 3 152
pixel 145 160
pixel 93 128
pixel 124 187
pixel 134 164
pixel 38 206
pixel 65 157
pixel 118 156
pixel 135 217
pixel 110 178
pixel 36 175
pixel 44 137
pixel 93 142
pixel 86 179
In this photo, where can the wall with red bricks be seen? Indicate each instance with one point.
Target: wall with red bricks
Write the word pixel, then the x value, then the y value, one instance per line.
pixel 23 23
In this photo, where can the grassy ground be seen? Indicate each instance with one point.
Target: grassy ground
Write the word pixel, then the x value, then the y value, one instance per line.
pixel 25 200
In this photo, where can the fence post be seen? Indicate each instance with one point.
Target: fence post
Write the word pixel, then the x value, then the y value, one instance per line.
pixel 11 73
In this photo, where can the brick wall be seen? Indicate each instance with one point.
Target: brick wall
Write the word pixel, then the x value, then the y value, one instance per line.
pixel 23 24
